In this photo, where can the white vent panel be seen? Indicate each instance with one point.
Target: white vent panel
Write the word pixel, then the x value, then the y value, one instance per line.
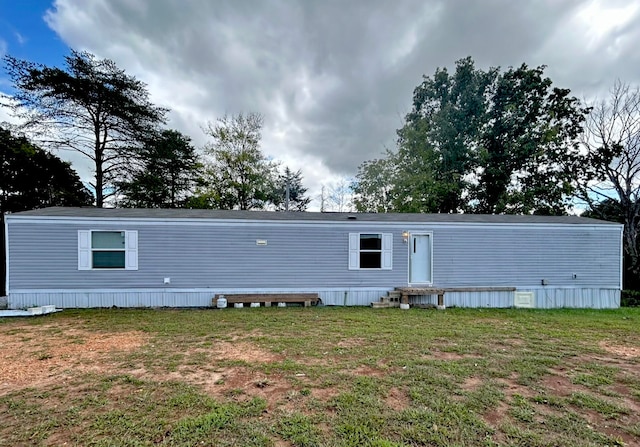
pixel 524 299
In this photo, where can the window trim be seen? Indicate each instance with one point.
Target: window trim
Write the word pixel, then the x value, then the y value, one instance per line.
pixel 386 251
pixel 85 250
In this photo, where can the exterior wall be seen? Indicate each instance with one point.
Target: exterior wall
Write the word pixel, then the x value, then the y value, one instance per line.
pixel 580 264
pixel 200 256
pixel 524 256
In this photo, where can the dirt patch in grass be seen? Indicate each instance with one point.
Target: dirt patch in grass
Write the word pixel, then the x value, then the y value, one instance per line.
pixel 448 355
pixel 620 350
pixel 397 400
pixel 496 416
pixel 241 384
pixel 512 387
pixel 471 383
pixel 351 343
pixel 243 351
pixel 559 384
pixel 36 358
pixel 368 371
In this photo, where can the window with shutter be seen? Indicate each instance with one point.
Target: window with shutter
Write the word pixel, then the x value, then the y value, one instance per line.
pixel 104 250
pixel 370 251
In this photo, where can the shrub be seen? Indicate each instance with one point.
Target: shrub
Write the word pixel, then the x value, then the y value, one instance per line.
pixel 630 298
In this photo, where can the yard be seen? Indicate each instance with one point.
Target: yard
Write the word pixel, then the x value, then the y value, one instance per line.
pixel 321 377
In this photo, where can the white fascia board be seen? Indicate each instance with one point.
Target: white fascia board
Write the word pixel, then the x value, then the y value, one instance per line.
pixel 357 224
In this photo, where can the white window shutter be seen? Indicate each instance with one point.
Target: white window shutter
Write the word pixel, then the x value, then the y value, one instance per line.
pixel 84 250
pixel 131 255
pixel 354 251
pixel 387 251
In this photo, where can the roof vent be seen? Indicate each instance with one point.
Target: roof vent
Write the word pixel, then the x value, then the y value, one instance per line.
pixel 351 217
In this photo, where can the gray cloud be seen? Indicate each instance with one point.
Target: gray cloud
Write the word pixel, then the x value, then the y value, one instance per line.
pixel 333 78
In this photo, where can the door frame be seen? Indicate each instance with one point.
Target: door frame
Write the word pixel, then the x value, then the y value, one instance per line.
pixel 430 255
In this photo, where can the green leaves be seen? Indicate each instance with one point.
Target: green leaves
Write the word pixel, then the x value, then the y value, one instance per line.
pixel 239 176
pixel 165 174
pixel 480 141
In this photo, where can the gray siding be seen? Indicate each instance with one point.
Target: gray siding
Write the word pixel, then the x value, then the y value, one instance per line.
pixel 523 257
pixel 203 259
pixel 46 257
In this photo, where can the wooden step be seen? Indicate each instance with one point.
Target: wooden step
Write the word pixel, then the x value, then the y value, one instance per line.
pixel 380 305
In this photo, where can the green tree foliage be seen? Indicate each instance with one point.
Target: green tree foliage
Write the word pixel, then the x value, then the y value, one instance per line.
pixel 164 174
pixel 375 185
pixel 480 141
pixel 91 106
pixel 611 166
pixel 32 178
pixel 530 147
pixel 297 201
pixel 237 175
pixel 439 141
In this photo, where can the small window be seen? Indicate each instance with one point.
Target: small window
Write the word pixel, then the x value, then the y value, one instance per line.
pixel 104 250
pixel 370 251
pixel 108 250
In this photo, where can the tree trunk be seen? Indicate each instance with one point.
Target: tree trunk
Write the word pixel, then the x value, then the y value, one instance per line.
pixel 99 183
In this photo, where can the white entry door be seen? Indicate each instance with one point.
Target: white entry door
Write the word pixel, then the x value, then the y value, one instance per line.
pixel 420 259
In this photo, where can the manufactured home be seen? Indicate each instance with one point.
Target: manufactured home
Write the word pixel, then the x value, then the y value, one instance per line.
pixel 88 257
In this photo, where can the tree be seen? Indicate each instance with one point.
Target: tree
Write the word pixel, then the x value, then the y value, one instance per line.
pixel 439 140
pixel 238 175
pixel 32 178
pixel 165 173
pixel 374 185
pixel 611 165
pixel 529 146
pixel 289 194
pixel 338 196
pixel 91 107
pixel 482 142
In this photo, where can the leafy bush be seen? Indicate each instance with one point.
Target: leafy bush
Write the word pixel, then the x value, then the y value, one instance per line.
pixel 630 298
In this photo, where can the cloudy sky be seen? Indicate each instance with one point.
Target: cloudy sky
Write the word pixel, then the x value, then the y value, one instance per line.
pixel 333 79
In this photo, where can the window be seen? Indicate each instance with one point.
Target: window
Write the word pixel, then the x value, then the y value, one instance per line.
pixel 370 251
pixel 100 250
pixel 108 250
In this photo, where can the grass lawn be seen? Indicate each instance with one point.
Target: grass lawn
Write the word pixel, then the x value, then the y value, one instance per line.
pixel 321 377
